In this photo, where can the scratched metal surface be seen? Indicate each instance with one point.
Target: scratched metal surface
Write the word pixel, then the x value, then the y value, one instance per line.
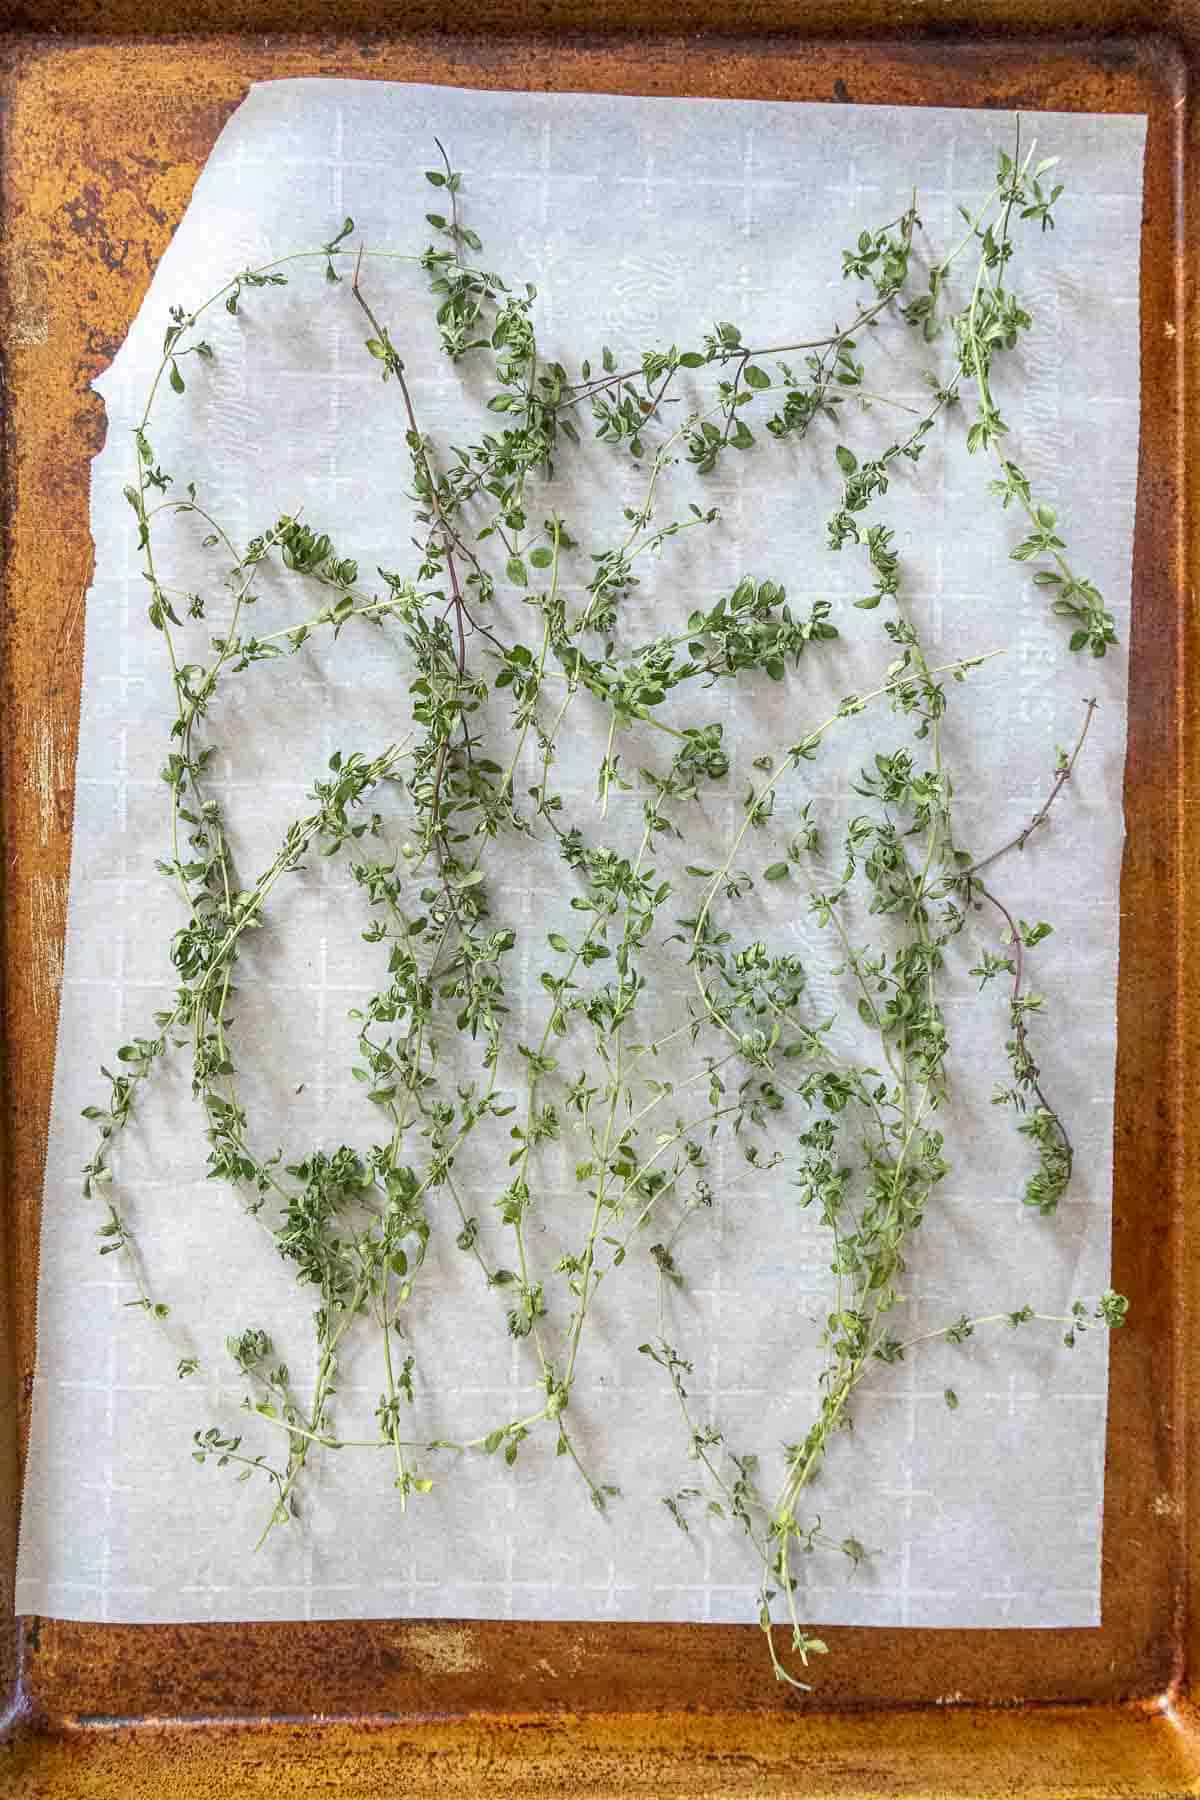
pixel 101 143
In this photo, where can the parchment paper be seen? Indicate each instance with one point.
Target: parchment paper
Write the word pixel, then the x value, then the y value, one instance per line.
pixel 641 220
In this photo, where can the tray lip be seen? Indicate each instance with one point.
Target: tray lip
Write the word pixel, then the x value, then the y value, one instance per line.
pixel 64 24
pixel 1094 1726
pixel 1045 1753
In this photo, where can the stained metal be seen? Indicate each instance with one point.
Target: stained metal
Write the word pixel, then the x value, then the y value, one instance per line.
pixel 102 140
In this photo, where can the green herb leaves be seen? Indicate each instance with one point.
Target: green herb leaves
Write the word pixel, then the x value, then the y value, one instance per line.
pixel 571 1058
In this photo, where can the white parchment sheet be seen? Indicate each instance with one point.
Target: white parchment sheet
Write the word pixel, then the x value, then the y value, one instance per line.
pixel 641 221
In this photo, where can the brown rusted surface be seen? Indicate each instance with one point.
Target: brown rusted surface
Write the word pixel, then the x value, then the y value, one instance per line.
pixel 102 144
pixel 1037 1755
pixel 811 19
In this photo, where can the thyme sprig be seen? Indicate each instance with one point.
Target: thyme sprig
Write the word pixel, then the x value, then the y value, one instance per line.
pixel 861 1143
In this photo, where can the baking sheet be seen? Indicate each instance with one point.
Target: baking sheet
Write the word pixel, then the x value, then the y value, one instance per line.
pixel 989 1516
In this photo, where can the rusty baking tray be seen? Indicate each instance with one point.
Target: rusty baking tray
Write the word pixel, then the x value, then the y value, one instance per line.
pixel 103 137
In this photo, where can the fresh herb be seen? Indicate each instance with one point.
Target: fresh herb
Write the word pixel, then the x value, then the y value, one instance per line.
pixel 863 1146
